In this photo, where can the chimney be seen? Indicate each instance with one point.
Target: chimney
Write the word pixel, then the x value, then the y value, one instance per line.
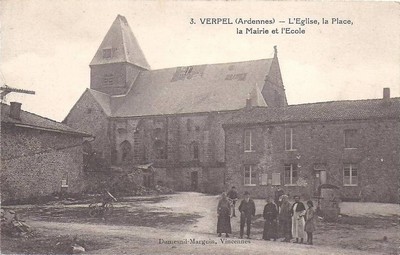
pixel 15 110
pixel 386 93
pixel 248 103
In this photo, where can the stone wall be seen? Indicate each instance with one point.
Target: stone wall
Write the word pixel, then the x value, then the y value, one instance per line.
pixel 119 77
pixel 34 163
pixel 320 145
pixel 177 135
pixel 87 116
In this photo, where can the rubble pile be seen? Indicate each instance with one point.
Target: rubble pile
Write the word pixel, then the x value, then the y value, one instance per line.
pixel 163 190
pixel 68 245
pixel 12 226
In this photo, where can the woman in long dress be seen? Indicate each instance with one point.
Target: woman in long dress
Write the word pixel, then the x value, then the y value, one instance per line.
pixel 270 226
pixel 285 219
pixel 224 216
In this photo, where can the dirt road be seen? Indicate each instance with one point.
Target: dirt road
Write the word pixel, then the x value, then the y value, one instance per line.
pixel 180 237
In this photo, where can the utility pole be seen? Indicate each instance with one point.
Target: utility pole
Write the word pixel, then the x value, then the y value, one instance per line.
pixel 4 90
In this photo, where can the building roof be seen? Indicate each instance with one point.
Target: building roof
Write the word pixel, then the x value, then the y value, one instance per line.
pixel 324 111
pixel 200 88
pixel 33 121
pixel 122 46
pixel 103 99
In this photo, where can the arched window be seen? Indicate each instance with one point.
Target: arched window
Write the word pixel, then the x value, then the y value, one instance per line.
pixel 189 124
pixel 87 153
pixel 157 132
pixel 159 149
pixel 125 148
pixel 195 150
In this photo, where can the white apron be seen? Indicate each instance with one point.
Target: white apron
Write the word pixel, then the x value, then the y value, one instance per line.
pixel 298 223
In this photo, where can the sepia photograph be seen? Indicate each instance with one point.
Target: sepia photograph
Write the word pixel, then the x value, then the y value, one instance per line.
pixel 199 127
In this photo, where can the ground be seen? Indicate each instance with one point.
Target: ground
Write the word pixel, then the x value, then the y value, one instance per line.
pixel 143 225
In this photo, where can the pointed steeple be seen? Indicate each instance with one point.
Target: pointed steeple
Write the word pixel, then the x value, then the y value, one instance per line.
pixel 256 97
pixel 119 46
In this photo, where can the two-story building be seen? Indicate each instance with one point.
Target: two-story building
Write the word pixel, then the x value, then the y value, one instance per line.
pixel 354 145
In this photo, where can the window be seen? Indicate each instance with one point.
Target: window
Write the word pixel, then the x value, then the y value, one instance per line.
pixel 64 181
pixel 189 124
pixel 195 150
pixel 276 179
pixel 108 80
pixel 291 174
pixel 107 53
pixel 248 140
pixel 157 133
pixel 350 138
pixel 350 175
pixel 159 150
pixel 249 175
pixel 289 139
pixel 87 154
pixel 188 70
pixel 125 150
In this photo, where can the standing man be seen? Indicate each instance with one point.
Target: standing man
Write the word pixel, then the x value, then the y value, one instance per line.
pixel 247 210
pixel 278 193
pixel 298 211
pixel 233 197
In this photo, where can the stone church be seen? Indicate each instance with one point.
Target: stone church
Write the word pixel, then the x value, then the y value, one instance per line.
pixel 170 119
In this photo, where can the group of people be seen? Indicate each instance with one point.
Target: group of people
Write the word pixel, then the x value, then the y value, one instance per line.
pixel 282 219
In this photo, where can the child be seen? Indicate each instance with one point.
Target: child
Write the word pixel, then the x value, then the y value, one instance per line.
pixel 309 227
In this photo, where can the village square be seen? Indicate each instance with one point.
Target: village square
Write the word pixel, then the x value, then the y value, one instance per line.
pixel 198 159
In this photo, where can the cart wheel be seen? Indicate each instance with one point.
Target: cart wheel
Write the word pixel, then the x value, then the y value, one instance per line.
pixel 93 209
pixel 108 209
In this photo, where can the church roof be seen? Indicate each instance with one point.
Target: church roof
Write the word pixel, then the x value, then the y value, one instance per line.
pixel 103 99
pixel 324 111
pixel 120 45
pixel 34 121
pixel 200 88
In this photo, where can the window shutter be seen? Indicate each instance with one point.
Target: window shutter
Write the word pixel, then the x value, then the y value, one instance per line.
pixel 276 178
pixel 264 179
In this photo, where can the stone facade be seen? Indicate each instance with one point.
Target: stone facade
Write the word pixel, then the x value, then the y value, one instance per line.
pixel 169 117
pixel 184 149
pixel 88 116
pixel 37 163
pixel 318 152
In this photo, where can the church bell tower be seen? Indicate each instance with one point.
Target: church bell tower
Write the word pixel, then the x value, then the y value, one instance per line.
pixel 118 61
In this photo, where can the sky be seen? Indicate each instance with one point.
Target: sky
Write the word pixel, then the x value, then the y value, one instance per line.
pixel 46 45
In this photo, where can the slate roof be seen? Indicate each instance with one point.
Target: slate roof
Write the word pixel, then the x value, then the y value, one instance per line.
pixel 324 111
pixel 123 45
pixel 33 121
pixel 103 99
pixel 200 88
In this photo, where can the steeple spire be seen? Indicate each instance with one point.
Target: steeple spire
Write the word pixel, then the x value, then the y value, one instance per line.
pixel 120 45
pixel 275 51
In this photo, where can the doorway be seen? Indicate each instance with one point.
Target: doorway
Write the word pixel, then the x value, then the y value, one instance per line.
pixel 194 177
pixel 320 178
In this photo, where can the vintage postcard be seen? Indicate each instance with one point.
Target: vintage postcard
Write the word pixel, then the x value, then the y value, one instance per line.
pixel 199 127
